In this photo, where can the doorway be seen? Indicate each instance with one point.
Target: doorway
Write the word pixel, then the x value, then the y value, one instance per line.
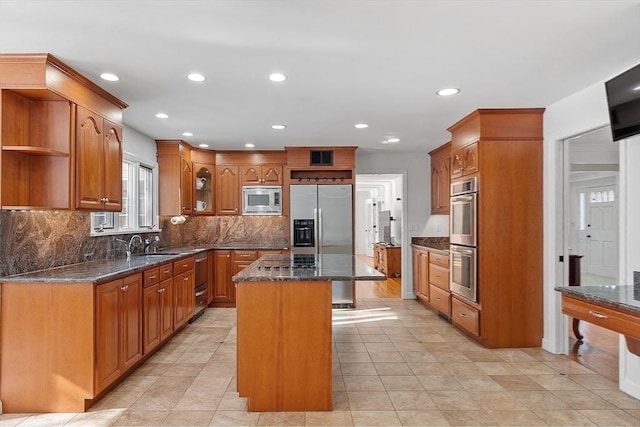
pixel 379 213
pixel 591 188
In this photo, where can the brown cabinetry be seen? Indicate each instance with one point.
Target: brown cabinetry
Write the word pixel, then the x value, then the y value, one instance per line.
pixel 98 162
pixel 503 149
pixel 203 193
pixel 261 174
pixel 227 190
pixel 386 259
pixel 440 179
pixel 420 270
pixel 183 288
pixel 118 328
pixel 45 108
pixel 157 306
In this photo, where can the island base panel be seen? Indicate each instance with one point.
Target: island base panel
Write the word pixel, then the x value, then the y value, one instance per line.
pixel 284 345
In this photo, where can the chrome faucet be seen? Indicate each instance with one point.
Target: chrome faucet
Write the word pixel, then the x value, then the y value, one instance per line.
pixel 131 243
pixel 148 243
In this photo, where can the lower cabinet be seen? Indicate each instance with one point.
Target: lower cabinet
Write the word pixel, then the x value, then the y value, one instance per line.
pixel 118 328
pixel 465 316
pixel 440 300
pixel 420 259
pixel 157 317
pixel 183 291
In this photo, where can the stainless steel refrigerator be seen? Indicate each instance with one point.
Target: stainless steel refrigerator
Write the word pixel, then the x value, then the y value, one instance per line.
pixel 322 223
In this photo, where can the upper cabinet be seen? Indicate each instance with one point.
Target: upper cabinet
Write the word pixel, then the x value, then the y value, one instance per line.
pixel 228 190
pixel 261 174
pixel 440 179
pixel 61 137
pixel 185 178
pixel 98 162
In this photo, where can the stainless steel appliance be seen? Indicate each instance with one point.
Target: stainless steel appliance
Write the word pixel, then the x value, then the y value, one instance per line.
pixel 463 271
pixel 201 276
pixel 462 218
pixel 322 223
pixel 261 200
pixel 463 238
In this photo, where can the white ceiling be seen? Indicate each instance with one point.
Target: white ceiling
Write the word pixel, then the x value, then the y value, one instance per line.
pixel 348 61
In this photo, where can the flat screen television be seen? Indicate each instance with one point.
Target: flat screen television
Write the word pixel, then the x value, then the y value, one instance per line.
pixel 623 99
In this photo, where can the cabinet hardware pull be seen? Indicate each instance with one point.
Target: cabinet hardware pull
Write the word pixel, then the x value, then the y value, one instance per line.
pixel 124 288
pixel 185 265
pixel 186 279
pixel 598 315
pixel 200 293
pixel 437 298
pixel 167 271
pixel 438 276
pixel 152 277
pixel 160 290
pixel 463 315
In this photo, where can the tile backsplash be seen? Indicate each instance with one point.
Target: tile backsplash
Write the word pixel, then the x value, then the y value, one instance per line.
pixel 36 240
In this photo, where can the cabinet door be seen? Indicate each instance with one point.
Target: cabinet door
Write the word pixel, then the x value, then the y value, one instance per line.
pixel 444 186
pixel 108 366
pixel 166 308
pixel 456 164
pixel 272 174
pixel 424 275
pixel 151 317
pixel 184 298
pixel 203 188
pixel 112 171
pixel 89 160
pixel 470 159
pixel 186 186
pixel 131 312
pixel 227 190
pixel 251 175
pixel 222 277
pixel 415 270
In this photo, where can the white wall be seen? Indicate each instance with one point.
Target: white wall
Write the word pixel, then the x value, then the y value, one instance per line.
pixel 574 115
pixel 139 145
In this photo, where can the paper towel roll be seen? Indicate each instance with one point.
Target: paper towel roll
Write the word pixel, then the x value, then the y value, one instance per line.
pixel 176 220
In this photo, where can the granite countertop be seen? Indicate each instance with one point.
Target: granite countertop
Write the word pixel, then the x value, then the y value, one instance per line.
pixel 101 271
pixel 437 243
pixel 328 267
pixel 614 296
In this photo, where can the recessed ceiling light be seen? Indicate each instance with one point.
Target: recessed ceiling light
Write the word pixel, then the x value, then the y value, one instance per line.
pixel 249 145
pixel 187 134
pixel 393 140
pixel 636 88
pixel 195 77
pixel 277 77
pixel 361 126
pixel 162 116
pixel 448 91
pixel 203 145
pixel 386 141
pixel 278 127
pixel 109 77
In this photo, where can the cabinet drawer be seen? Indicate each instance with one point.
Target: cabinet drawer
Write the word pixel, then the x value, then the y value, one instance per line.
pixel 269 252
pixel 465 316
pixel 439 276
pixel 244 255
pixel 608 318
pixel 439 259
pixel 440 300
pixel 166 271
pixel 183 265
pixel 151 276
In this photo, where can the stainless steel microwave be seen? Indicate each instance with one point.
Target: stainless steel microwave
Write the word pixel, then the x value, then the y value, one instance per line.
pixel 261 200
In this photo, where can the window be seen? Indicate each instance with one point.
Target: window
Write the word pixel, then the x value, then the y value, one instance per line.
pixel 138 202
pixel 602 196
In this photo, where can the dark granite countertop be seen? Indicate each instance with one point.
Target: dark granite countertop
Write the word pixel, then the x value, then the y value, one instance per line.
pixel 614 296
pixel 437 243
pixel 328 267
pixel 101 271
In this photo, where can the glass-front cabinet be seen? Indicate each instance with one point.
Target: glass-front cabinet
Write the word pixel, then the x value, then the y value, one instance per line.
pixel 203 189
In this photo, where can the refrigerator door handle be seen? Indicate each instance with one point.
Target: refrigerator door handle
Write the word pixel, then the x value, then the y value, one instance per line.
pixel 320 240
pixel 316 221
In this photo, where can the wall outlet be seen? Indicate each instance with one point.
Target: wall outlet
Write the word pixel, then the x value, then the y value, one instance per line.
pixel 438 228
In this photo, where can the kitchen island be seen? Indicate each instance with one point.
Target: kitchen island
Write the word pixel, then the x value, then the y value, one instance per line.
pixel 284 329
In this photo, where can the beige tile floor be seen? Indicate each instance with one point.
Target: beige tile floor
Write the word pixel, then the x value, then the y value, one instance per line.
pixel 395 363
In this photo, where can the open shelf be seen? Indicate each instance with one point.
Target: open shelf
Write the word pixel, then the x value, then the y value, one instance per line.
pixel 34 151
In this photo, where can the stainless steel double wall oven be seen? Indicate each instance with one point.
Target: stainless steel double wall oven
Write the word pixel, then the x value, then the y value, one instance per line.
pixel 464 238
